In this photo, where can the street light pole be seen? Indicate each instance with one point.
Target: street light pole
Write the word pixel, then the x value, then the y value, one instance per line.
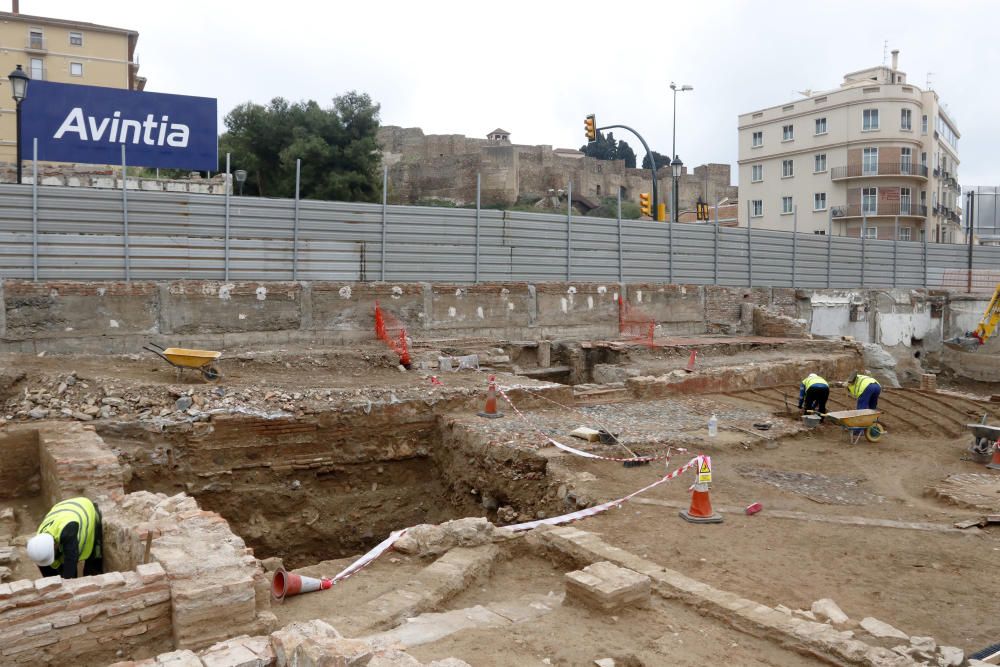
pixel 19 90
pixel 675 173
pixel 673 149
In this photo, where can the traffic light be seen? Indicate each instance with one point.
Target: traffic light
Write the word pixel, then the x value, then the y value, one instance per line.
pixel 702 210
pixel 590 127
pixel 645 207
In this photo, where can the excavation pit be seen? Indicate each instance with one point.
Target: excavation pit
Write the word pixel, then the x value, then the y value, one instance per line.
pixel 334 484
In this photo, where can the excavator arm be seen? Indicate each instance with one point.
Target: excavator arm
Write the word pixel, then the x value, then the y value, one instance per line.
pixel 988 326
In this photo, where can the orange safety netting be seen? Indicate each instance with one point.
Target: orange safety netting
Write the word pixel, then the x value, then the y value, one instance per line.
pixel 635 324
pixel 392 332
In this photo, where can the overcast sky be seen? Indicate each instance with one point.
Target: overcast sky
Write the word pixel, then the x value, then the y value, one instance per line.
pixel 537 68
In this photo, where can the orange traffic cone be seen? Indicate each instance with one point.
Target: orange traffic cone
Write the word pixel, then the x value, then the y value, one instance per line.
pixel 490 411
pixel 994 463
pixel 690 366
pixel 701 506
pixel 285 584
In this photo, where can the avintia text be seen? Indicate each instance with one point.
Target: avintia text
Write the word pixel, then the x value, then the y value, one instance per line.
pixel 123 130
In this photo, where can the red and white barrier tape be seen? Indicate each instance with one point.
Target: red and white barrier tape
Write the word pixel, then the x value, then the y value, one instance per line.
pixel 370 557
pixel 603 507
pixel 580 452
pixel 387 543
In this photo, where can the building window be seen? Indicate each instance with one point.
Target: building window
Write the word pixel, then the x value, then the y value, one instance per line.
pixel 904 233
pixel 76 69
pixel 76 39
pixel 756 208
pixel 869 201
pixel 757 173
pixel 905 161
pixel 904 201
pixel 923 159
pixel 598 190
pixel 758 139
pixel 871 232
pixel 869 164
pixel 869 120
pixel 37 69
pixel 36 40
pixel 787 132
pixel 786 205
pixel 905 119
pixel 923 125
pixel 787 169
pixel 820 232
pixel 819 201
pixel 821 126
pixel 820 163
pixel 923 198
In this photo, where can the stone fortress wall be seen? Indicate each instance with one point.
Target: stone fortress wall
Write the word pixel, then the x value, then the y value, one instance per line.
pixel 444 166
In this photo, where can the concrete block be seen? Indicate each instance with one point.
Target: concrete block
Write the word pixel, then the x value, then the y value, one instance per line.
pixel 79 308
pixel 882 630
pixel 347 306
pixel 487 305
pixel 150 572
pixel 198 307
pixel 608 587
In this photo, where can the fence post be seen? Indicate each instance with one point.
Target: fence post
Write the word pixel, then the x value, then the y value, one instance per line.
pixel 569 232
pixel 225 257
pixel 749 245
pixel 864 227
pixel 479 183
pixel 670 247
pixel 829 249
pixel 621 265
pixel 385 201
pixel 926 271
pixel 895 248
pixel 970 209
pixel 128 276
pixel 34 209
pixel 795 242
pixel 715 266
pixel 295 221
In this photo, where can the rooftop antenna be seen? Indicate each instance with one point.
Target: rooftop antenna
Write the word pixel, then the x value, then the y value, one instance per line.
pixel 929 83
pixel 885 52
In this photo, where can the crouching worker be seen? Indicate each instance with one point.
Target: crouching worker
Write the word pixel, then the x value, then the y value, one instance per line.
pixel 814 393
pixel 866 389
pixel 68 542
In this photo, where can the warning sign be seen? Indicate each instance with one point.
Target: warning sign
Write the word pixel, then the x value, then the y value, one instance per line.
pixel 705 471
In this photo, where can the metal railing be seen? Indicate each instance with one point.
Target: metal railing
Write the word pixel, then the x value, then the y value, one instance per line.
pixel 881 208
pixel 879 169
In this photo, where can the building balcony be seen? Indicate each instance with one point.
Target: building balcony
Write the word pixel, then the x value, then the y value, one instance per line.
pixel 880 169
pixel 882 209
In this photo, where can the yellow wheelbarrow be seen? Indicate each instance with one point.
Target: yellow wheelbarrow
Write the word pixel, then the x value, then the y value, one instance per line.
pixel 858 422
pixel 179 357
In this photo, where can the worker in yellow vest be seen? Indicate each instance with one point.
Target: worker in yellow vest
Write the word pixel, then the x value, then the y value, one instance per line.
pixel 814 392
pixel 864 388
pixel 68 541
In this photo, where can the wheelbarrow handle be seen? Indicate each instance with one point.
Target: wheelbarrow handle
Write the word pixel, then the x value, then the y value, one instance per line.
pixel 158 353
pixel 158 347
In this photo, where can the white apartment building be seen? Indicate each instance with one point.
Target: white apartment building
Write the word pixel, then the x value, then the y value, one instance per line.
pixel 873 154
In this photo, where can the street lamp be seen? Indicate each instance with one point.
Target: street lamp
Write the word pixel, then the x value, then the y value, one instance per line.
pixel 19 90
pixel 241 178
pixel 675 171
pixel 674 87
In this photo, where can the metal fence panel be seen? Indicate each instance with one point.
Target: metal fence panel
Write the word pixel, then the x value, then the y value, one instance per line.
pixel 181 235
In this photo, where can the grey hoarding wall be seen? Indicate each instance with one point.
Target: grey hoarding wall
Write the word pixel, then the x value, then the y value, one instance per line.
pixel 80 236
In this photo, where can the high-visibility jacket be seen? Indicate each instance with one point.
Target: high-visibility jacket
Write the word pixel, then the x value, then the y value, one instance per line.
pixel 862 382
pixel 813 379
pixel 75 510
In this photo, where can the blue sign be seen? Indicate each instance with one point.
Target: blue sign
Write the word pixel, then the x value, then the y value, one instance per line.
pixel 90 124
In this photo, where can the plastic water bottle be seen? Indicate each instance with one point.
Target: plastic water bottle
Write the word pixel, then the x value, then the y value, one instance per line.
pixel 713 426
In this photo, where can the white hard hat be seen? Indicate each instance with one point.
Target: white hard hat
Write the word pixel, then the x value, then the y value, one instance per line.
pixel 42 549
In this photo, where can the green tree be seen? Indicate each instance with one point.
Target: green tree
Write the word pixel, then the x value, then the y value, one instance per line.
pixel 609 209
pixel 661 160
pixel 337 146
pixel 608 148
